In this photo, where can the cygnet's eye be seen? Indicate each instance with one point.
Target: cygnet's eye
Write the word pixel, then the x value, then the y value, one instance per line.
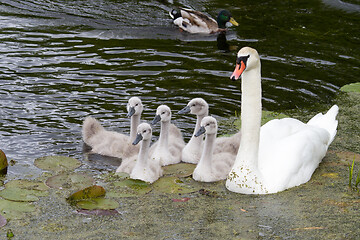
pixel 163 112
pixel 136 105
pixel 144 131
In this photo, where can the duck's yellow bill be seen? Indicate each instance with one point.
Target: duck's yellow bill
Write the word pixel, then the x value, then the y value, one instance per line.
pixel 233 22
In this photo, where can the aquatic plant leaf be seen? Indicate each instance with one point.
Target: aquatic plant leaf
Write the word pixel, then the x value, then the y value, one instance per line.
pixel 70 181
pixel 18 194
pixel 97 203
pixel 172 185
pixel 98 212
pixel 3 162
pixel 57 163
pixel 129 188
pixel 352 87
pixel 179 170
pixel 86 193
pixel 26 184
pixel 15 210
pixel 2 221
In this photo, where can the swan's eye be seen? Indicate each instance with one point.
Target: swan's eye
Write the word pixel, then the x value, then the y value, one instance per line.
pixel 136 105
pixel 163 113
pixel 144 131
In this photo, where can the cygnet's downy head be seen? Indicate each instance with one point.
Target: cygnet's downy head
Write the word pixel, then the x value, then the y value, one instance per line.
pixel 134 106
pixel 247 59
pixel 144 132
pixel 197 106
pixel 208 126
pixel 163 114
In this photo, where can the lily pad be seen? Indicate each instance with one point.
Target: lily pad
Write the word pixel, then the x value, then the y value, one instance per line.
pixel 97 203
pixel 15 210
pixel 24 191
pixel 57 163
pixel 352 87
pixel 70 181
pixel 179 170
pixel 172 185
pixel 86 193
pixel 18 194
pixel 25 184
pixel 129 188
pixel 3 162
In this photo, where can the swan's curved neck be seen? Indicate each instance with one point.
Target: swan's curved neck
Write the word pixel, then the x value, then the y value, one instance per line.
pixel 250 117
pixel 135 121
pixel 144 152
pixel 206 156
pixel 198 140
pixel 164 134
pixel 245 176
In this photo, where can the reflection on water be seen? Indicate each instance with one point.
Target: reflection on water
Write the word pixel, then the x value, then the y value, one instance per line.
pixel 65 60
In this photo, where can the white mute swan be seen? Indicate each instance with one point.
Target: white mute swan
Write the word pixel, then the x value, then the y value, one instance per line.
pixel 170 144
pixel 212 166
pixel 283 153
pixel 110 143
pixel 146 169
pixel 191 153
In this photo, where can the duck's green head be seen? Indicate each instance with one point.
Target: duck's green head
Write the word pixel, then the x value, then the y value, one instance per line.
pixel 225 17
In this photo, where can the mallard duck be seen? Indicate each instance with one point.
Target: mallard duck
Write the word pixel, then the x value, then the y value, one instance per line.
pixel 197 22
pixel 281 154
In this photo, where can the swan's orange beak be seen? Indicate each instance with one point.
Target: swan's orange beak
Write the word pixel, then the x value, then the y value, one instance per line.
pixel 240 67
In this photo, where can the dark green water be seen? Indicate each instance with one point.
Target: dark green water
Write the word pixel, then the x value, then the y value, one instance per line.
pixel 64 60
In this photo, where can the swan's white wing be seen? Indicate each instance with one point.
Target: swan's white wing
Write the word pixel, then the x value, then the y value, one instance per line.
pixel 289 152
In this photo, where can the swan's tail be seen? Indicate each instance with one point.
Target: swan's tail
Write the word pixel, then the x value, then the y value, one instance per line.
pixel 90 127
pixel 327 121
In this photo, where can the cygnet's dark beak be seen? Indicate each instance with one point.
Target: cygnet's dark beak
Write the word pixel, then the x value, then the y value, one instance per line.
pixel 138 138
pixel 200 132
pixel 156 119
pixel 184 110
pixel 131 112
